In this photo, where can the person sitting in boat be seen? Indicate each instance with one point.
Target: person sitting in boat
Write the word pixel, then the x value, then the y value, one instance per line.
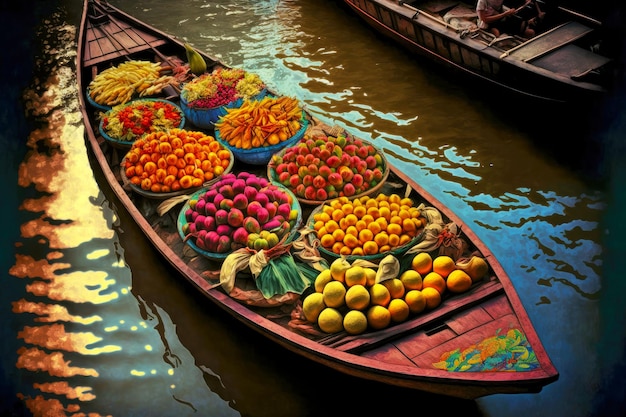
pixel 495 17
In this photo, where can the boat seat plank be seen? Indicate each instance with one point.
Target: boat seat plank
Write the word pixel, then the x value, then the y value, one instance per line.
pixel 549 41
pixel 438 6
pixel 572 61
pixel 392 355
pixel 416 344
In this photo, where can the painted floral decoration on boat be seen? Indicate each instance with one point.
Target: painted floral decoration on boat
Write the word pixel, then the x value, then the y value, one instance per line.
pixel 130 121
pixel 502 352
pixel 220 87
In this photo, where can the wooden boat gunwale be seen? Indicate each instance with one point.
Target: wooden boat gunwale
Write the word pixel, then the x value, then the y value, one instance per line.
pixel 460 384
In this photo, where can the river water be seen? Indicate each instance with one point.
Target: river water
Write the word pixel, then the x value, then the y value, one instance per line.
pixel 95 323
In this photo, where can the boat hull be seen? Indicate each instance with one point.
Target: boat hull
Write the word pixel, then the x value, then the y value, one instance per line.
pixel 402 355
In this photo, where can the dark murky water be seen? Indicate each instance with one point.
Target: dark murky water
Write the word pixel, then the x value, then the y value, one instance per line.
pixel 95 323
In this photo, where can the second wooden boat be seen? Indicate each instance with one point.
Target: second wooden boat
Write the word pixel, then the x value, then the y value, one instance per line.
pixel 564 62
pixel 474 344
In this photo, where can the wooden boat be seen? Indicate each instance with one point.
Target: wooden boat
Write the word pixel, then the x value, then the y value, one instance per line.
pixel 563 62
pixel 402 355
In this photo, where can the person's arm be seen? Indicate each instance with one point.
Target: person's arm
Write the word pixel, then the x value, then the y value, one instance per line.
pixel 491 18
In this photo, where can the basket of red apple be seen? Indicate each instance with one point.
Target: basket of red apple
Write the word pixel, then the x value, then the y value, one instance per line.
pixel 326 167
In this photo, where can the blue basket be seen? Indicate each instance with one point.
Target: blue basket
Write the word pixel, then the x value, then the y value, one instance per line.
pixel 182 221
pixel 98 106
pixel 206 118
pixel 262 155
pixel 127 144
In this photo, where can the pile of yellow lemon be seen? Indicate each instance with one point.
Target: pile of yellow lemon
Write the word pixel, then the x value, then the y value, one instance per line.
pixel 347 297
pixel 367 225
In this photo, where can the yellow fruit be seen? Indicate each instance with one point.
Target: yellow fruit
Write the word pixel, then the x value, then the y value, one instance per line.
pixel 476 268
pixel 415 300
pixel 434 280
pixel 378 317
pixel 411 279
pixel 443 265
pixel 458 281
pixel 334 294
pixel 422 263
pixel 370 275
pixel 338 268
pixel 399 310
pixel 330 320
pixel 357 297
pixel 312 306
pixel 432 297
pixel 355 275
pixel 322 279
pixel 395 287
pixel 379 295
pixel 355 322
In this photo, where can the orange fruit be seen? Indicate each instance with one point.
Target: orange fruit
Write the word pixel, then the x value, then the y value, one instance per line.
pixel 443 265
pixel 358 251
pixel 379 295
pixel 381 239
pixel 399 310
pixel 357 297
pixel 458 281
pixel 370 275
pixel 434 280
pixel 374 227
pixel 334 294
pixel 351 241
pixel 411 279
pixel 415 300
pixel 359 211
pixel 355 275
pixel 338 269
pixel 395 287
pixel 327 240
pixel 355 322
pixel 432 297
pixel 422 263
pixel 330 320
pixel 338 235
pixel 378 317
pixel 366 235
pixel 370 248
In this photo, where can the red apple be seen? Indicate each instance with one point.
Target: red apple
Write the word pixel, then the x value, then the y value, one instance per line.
pixel 321 194
pixel 348 190
pixel 294 180
pixel 325 171
pixel 310 192
pixel 371 162
pixel 307 180
pixel 333 161
pixel 335 179
pixel 357 180
pixel 319 181
pixel 292 168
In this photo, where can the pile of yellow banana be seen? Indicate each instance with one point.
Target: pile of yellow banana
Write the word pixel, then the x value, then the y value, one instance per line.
pixel 117 85
pixel 258 123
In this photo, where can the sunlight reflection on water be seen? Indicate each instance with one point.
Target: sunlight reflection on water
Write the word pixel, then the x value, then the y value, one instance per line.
pixel 79 326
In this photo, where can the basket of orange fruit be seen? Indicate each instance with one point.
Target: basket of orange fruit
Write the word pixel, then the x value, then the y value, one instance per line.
pixel 259 128
pixel 367 227
pixel 166 164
